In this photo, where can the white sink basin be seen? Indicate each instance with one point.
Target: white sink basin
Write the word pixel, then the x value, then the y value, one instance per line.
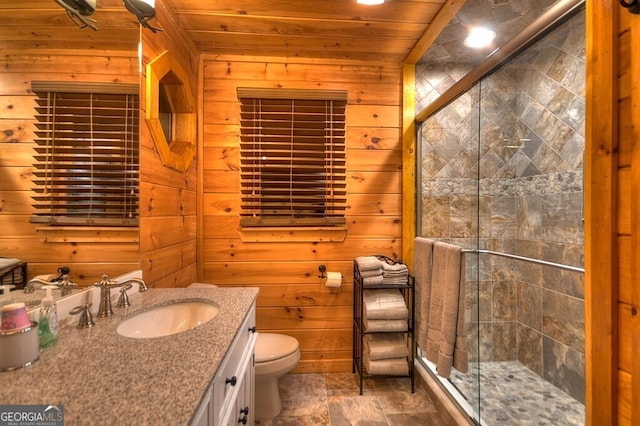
pixel 167 319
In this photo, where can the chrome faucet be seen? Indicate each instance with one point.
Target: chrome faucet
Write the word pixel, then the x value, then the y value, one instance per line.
pixel 105 285
pixel 63 283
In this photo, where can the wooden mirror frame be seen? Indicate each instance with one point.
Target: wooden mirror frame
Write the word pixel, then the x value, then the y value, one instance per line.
pixel 165 74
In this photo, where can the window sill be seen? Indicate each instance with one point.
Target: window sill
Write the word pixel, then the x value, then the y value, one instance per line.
pixel 88 234
pixel 293 234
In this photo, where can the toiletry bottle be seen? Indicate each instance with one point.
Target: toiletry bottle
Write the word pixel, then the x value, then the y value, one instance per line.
pixel 6 299
pixel 48 325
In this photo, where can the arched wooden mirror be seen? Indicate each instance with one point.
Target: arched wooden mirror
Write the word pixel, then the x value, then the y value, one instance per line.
pixel 171 111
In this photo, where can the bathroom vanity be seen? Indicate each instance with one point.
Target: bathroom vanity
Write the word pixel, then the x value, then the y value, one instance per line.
pixel 229 400
pixel 202 376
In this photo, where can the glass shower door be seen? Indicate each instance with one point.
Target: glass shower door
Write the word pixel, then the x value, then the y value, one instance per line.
pixel 449 211
pixel 531 343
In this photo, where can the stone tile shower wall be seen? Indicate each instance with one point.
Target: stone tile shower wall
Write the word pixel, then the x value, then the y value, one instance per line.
pixel 518 191
pixel 442 66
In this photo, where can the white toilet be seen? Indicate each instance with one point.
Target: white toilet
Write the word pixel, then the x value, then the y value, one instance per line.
pixel 275 356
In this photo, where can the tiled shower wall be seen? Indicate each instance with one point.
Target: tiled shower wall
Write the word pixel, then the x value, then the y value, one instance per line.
pixel 518 191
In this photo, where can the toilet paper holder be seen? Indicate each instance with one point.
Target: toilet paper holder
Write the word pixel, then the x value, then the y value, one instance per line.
pixel 322 269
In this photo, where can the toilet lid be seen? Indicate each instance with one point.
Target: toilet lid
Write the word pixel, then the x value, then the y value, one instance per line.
pixel 271 346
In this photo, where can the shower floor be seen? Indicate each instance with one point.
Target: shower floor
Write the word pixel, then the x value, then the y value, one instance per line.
pixel 511 394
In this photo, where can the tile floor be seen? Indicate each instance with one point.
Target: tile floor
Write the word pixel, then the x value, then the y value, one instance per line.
pixel 511 394
pixel 334 399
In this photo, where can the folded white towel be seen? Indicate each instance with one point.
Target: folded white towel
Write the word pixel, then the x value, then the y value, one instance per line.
pixel 6 262
pixel 384 304
pixel 388 273
pixel 394 275
pixel 385 325
pixel 384 296
pixel 371 273
pixel 390 367
pixel 397 313
pixel 385 345
pixel 369 281
pixel 369 263
pixel 396 268
pixel 394 281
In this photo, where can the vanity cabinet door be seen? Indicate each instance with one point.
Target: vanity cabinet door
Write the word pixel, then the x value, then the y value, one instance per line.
pixel 231 379
pixel 239 407
pixel 204 414
pixel 250 390
pixel 244 408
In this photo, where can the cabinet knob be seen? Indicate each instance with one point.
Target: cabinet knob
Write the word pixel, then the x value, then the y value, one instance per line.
pixel 245 411
pixel 243 420
pixel 252 329
pixel 232 381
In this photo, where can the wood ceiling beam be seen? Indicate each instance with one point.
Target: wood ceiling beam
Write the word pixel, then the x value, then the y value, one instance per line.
pixel 441 20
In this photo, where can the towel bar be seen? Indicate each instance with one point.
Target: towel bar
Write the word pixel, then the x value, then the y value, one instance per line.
pixel 525 259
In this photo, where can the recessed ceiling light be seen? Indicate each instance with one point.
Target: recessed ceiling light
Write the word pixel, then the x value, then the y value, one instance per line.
pixel 370 2
pixel 479 37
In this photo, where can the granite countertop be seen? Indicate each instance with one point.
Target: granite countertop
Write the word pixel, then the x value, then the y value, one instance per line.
pixel 101 377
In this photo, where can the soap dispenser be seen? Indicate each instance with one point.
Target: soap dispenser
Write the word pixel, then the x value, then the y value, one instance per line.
pixel 48 323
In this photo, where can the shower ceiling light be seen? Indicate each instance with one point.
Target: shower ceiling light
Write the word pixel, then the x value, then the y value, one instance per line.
pixel 370 2
pixel 479 37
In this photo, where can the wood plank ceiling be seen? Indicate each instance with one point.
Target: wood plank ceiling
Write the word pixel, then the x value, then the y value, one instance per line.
pixel 339 29
pixel 42 24
pixel 302 28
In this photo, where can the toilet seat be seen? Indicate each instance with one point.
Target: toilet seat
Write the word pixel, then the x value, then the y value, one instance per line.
pixel 271 347
pixel 202 285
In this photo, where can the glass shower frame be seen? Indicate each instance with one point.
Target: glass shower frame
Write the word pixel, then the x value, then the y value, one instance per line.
pixel 470 139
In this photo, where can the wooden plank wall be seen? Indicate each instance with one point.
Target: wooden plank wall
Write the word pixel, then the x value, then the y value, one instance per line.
pixel 167 197
pixel 601 130
pixel 628 229
pixel 612 213
pixel 115 253
pixel 293 300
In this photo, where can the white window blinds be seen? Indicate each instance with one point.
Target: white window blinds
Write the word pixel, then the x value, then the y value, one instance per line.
pixel 86 160
pixel 292 155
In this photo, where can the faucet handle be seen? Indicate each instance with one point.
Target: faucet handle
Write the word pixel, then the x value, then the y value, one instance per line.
pixel 85 320
pixel 65 284
pixel 105 282
pixel 123 300
pixel 65 281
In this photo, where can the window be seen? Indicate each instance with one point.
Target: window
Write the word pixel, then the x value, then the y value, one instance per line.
pixel 86 160
pixel 170 111
pixel 292 155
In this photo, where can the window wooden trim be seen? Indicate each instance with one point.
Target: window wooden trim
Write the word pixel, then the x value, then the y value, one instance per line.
pixel 86 160
pixel 253 234
pixel 83 234
pixel 293 158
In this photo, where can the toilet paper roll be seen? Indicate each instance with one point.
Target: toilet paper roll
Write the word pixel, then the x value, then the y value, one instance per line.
pixel 334 280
